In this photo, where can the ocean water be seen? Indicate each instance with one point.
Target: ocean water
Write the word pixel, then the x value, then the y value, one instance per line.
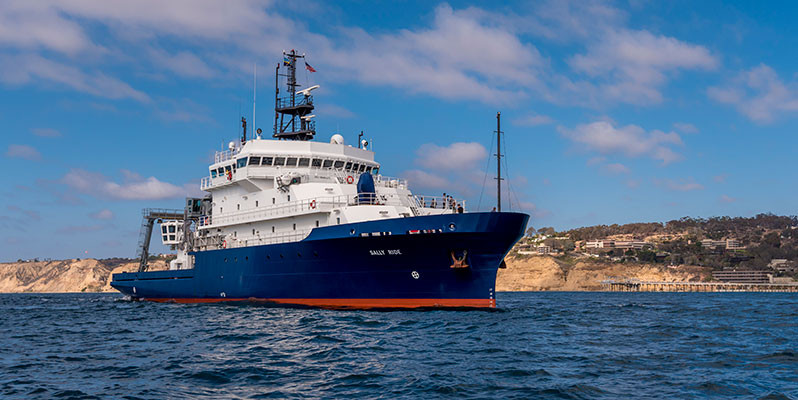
pixel 537 345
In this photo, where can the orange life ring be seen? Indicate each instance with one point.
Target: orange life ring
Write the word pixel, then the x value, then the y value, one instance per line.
pixel 350 180
pixel 313 203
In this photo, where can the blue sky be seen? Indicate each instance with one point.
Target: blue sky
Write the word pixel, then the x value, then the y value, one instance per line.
pixel 614 112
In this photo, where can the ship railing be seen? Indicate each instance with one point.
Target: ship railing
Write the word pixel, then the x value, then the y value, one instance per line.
pixel 285 102
pixel 220 242
pixel 439 202
pixel 307 206
pixel 225 155
pixel 387 181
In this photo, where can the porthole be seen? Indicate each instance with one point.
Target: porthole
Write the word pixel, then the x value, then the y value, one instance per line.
pixel 352 232
pixel 225 259
pixel 315 254
pixel 268 257
pixel 452 226
pixel 246 258
pixel 299 255
pixel 281 256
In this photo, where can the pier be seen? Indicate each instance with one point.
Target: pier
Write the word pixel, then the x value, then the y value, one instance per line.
pixel 633 285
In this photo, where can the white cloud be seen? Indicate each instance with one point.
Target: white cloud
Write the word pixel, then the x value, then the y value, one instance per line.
pixel 631 65
pixel 630 140
pixel 685 127
pixel 456 156
pixel 102 214
pixel 759 94
pixel 23 151
pixel 425 180
pixel 134 187
pixel 726 199
pixel 46 132
pixel 22 69
pixel 333 110
pixel 533 120
pixel 616 169
pixel 683 185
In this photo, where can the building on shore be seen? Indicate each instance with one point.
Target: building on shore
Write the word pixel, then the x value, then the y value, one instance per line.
pixel 618 244
pixel 783 265
pixel 728 244
pixel 742 276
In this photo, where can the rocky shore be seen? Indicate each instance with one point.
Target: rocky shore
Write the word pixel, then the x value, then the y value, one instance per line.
pixel 65 276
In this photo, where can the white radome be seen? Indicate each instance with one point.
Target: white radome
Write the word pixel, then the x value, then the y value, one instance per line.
pixel 337 139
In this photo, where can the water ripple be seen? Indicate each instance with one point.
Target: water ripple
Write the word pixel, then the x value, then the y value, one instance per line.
pixel 538 345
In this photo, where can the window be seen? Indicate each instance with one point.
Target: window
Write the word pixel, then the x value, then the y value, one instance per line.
pixel 348 166
pixel 238 207
pixel 279 161
pixel 304 162
pixel 235 233
pixel 163 229
pixel 227 169
pixel 164 238
pixel 220 171
pixel 294 226
pixel 254 161
pixel 272 229
pixel 213 173
pixel 338 164
pixel 355 167
pixel 317 223
pixel 376 171
pixel 316 163
pixel 362 168
pixel 266 161
pixel 171 229
pixel 242 162
pixel 338 220
pixel 328 163
pixel 253 231
pixel 368 169
pixel 290 162
pixel 273 200
pixel 220 210
pixel 256 203
pixel 172 237
pixel 289 197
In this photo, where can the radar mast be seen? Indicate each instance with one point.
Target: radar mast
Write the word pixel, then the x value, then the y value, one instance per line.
pixel 292 110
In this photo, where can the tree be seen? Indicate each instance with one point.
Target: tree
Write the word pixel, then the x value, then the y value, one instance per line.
pixel 530 231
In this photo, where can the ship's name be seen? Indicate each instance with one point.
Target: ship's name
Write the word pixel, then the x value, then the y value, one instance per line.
pixel 396 252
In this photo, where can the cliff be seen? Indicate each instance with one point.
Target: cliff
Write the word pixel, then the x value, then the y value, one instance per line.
pixel 522 274
pixel 547 273
pixel 63 276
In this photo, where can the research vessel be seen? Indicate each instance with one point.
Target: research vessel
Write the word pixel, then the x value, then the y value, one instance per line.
pixel 294 221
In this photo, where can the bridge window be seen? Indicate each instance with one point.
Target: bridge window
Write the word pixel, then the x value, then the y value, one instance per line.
pixel 316 163
pixel 213 173
pixel 279 161
pixel 171 229
pixel 355 167
pixel 227 169
pixel 242 162
pixel 368 169
pixel 376 171
pixel 327 163
pixel 172 237
pixel 266 161
pixel 362 168
pixel 290 162
pixel 348 166
pixel 165 238
pixel 254 161
pixel 304 162
pixel 338 164
pixel 163 229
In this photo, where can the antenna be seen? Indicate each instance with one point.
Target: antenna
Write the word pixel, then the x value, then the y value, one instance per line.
pixel 254 95
pixel 498 161
pixel 360 140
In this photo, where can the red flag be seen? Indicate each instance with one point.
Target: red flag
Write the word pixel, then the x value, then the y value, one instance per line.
pixel 309 68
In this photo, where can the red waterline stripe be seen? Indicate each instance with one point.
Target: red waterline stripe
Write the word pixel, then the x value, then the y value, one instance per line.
pixel 351 303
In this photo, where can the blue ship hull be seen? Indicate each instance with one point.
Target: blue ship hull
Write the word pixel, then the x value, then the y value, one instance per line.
pixel 392 263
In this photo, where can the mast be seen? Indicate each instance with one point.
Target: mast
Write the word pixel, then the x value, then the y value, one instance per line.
pixel 498 161
pixel 292 112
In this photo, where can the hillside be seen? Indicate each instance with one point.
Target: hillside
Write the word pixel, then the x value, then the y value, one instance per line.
pixel 75 275
pixel 542 273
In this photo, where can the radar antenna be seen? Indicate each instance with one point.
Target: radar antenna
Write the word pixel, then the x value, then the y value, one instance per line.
pixel 292 119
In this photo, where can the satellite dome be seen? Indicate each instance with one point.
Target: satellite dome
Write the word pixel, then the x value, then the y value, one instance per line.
pixel 337 139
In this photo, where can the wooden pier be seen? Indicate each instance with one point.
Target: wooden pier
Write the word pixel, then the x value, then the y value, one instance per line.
pixel 632 285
